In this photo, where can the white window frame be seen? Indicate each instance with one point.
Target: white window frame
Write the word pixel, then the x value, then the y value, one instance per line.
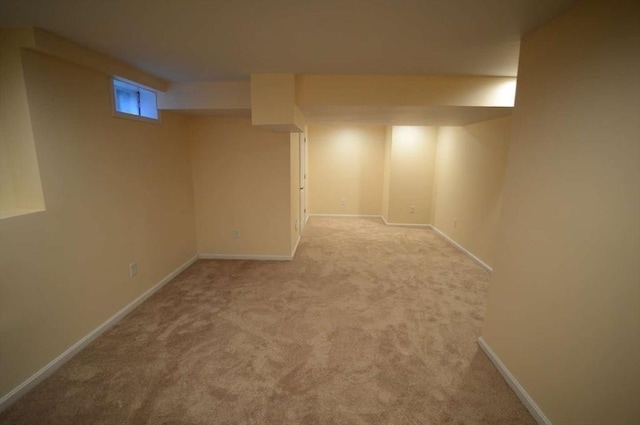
pixel 117 114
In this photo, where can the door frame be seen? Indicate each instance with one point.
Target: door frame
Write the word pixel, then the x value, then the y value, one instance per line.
pixel 302 184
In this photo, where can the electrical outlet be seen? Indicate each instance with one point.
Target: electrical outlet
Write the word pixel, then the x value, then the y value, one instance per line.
pixel 412 209
pixel 236 233
pixel 343 202
pixel 133 269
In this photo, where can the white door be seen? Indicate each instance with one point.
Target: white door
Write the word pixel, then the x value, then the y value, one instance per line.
pixel 303 181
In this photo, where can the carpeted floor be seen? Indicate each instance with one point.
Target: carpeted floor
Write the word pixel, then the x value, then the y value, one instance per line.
pixel 368 325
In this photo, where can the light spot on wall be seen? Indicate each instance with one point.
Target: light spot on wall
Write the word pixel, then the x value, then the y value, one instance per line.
pixel 406 138
pixel 506 92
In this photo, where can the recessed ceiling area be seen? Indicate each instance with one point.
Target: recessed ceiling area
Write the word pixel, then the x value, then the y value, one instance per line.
pixel 183 41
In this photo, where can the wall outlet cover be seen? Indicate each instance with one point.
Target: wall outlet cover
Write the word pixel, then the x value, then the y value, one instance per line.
pixel 133 269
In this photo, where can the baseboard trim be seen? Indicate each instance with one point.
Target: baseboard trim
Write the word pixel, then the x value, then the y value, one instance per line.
pixel 425 226
pixel 346 215
pixel 245 257
pixel 463 249
pixel 522 394
pixel 295 248
pixel 13 395
pixel 405 224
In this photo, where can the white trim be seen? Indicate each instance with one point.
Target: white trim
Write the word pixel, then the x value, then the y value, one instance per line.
pixel 427 226
pixel 345 215
pixel 295 248
pixel 522 394
pixel 56 363
pixel 245 257
pixel 463 249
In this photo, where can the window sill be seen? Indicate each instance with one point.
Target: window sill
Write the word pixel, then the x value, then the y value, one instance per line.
pixel 137 117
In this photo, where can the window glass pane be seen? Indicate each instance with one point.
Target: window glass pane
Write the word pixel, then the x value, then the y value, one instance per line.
pixel 148 107
pixel 127 101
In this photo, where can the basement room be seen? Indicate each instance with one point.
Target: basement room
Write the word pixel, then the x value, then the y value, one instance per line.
pixel 320 212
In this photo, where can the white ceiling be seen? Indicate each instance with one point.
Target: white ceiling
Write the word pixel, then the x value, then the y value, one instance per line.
pixel 198 40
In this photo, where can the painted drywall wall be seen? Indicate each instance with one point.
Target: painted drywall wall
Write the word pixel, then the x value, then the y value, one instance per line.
pixel 116 190
pixel 20 188
pixel 241 180
pixel 411 174
pixel 210 96
pixel 346 162
pixel 564 305
pixel 314 90
pixel 67 50
pixel 386 178
pixel 294 175
pixel 471 163
pixel 273 104
pixel 307 192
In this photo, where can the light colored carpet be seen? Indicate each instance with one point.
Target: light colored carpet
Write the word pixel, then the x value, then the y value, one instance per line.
pixel 368 325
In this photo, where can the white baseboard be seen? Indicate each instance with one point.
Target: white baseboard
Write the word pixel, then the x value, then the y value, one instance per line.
pixel 426 226
pixel 56 363
pixel 381 217
pixel 524 397
pixel 245 257
pixel 463 249
pixel 405 224
pixel 295 248
pixel 345 215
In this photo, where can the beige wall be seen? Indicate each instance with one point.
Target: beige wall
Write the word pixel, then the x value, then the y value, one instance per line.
pixel 212 96
pixel 272 98
pixel 411 174
pixel 294 173
pixel 116 191
pixel 470 172
pixel 564 305
pixel 273 104
pixel 314 90
pixel 307 193
pixel 20 188
pixel 64 49
pixel 241 180
pixel 346 162
pixel 386 179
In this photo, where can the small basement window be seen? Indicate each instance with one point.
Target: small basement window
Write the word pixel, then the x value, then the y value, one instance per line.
pixel 132 99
